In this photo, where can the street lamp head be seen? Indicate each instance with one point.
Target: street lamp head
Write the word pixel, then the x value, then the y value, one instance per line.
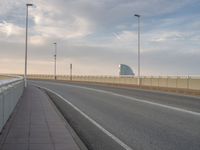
pixel 29 5
pixel 136 15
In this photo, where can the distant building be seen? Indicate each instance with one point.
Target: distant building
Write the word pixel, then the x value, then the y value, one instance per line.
pixel 125 70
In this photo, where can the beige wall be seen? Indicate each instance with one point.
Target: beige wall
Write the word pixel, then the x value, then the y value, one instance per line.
pixel 192 83
pixel 4 77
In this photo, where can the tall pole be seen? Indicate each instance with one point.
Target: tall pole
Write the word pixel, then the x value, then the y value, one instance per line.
pixel 55 57
pixel 26 45
pixel 138 16
pixel 70 72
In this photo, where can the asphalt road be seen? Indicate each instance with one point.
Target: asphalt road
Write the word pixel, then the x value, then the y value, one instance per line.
pixel 143 120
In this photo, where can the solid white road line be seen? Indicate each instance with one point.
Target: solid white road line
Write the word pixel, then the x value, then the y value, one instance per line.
pixel 138 100
pixel 117 140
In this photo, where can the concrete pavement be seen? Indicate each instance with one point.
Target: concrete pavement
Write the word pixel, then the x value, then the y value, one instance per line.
pixel 36 125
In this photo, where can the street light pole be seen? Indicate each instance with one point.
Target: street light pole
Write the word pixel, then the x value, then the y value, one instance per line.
pixel 70 72
pixel 138 16
pixel 26 45
pixel 55 55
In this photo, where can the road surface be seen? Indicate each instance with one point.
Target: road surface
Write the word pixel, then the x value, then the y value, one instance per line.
pixel 142 120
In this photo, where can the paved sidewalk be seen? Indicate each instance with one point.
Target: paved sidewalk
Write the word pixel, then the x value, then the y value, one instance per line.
pixel 36 125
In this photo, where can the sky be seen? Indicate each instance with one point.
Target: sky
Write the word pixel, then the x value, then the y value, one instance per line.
pixel 98 35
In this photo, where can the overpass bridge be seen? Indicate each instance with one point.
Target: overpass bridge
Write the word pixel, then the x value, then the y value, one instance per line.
pixel 81 115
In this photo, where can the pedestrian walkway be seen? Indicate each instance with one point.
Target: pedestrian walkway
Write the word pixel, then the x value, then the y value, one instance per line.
pixel 36 125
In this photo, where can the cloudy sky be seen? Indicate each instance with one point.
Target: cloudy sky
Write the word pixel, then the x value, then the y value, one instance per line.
pixel 98 35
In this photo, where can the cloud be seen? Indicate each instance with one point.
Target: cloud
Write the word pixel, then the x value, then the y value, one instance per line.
pixel 173 62
pixel 50 21
pixel 168 35
pixel 96 35
pixel 78 28
pixel 9 29
pixel 6 6
pixel 37 40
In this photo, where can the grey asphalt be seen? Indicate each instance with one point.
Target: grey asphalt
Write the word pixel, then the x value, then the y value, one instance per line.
pixel 36 125
pixel 140 125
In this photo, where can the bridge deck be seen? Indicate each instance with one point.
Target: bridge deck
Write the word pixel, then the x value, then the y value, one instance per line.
pixel 36 125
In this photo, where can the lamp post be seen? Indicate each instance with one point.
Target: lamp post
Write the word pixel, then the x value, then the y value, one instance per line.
pixel 55 55
pixel 138 16
pixel 70 72
pixel 26 44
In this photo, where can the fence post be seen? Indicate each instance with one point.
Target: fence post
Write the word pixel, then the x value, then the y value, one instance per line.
pixel 167 81
pixel 176 82
pixel 188 82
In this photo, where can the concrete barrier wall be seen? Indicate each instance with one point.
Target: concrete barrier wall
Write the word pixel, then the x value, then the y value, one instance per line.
pixel 10 92
pixel 4 77
pixel 191 83
pixel 194 83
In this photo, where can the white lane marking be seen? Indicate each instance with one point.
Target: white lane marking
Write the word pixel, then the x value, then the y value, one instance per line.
pixel 117 140
pixel 138 100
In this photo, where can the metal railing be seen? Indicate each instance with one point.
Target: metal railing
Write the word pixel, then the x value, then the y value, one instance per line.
pixel 10 92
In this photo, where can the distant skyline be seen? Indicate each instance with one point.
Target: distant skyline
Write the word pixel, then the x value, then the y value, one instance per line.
pixel 98 35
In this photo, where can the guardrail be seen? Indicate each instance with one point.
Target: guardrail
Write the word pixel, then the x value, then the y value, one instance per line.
pixel 10 92
pixel 175 82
